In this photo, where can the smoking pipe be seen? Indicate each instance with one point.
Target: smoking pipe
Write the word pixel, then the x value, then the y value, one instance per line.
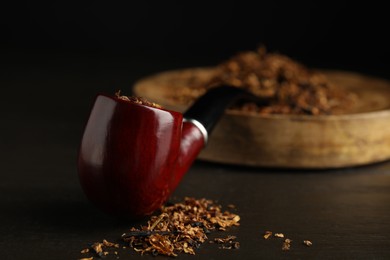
pixel 132 156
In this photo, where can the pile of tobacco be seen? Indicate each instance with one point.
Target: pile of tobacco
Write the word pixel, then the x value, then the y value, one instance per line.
pixel 179 228
pixel 287 86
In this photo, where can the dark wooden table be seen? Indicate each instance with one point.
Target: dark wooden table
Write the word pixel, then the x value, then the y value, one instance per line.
pixel 44 214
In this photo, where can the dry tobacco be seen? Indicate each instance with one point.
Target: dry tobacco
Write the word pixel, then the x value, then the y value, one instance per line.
pixel 137 100
pixel 267 234
pixel 99 248
pixel 181 228
pixel 286 244
pixel 287 86
pixel 227 243
pixel 84 251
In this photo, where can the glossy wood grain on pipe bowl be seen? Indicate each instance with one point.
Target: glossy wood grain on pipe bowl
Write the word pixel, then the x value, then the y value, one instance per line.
pixel 360 136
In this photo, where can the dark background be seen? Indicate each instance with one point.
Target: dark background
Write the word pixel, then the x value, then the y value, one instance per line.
pixel 77 50
pixel 54 59
pixel 317 33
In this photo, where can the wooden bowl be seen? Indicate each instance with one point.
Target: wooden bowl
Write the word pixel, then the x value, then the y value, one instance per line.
pixel 361 136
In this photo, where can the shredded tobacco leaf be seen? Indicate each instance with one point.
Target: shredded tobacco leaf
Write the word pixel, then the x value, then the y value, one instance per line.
pixel 109 244
pixel 267 234
pixel 181 228
pixel 287 86
pixel 178 228
pixel 99 248
pixel 286 244
pixel 84 251
pixel 228 242
pixel 137 100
